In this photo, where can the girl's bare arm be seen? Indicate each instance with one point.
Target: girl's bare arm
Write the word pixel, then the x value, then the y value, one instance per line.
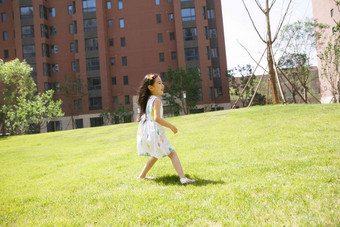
pixel 157 112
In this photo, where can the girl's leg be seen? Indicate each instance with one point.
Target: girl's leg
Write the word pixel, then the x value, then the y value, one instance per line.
pixel 176 163
pixel 147 167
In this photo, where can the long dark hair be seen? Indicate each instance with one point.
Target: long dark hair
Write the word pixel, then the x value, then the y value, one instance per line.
pixel 144 92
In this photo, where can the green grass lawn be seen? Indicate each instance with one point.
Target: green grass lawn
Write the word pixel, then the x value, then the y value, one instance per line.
pixel 272 165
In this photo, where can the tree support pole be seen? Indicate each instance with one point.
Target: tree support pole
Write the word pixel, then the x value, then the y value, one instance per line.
pixel 258 63
pixel 257 87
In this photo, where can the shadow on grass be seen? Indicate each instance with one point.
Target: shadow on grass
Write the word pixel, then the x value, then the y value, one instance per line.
pixel 174 180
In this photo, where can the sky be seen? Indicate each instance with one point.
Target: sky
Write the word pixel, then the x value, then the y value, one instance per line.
pixel 239 29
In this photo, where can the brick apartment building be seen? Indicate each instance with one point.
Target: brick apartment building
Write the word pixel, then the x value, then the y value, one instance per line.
pixel 112 44
pixel 326 12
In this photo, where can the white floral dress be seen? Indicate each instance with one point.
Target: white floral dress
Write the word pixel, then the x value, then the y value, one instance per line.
pixel 151 139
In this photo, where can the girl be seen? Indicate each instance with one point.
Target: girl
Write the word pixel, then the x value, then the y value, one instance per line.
pixel 151 139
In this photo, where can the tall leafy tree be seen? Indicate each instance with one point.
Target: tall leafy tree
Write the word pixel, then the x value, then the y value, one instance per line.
pixel 72 91
pixel 20 105
pixel 183 81
pixel 298 43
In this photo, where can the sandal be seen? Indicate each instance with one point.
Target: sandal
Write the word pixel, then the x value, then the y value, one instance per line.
pixel 186 180
pixel 145 178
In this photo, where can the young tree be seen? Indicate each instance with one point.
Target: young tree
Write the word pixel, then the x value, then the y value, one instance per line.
pixel 73 90
pixel 121 114
pixel 298 42
pixel 330 58
pixel 238 83
pixel 269 41
pixel 183 82
pixel 20 107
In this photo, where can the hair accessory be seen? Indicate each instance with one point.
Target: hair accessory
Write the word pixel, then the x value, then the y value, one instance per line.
pixel 151 77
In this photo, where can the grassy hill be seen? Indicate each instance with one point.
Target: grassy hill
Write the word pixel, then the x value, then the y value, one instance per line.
pixel 272 165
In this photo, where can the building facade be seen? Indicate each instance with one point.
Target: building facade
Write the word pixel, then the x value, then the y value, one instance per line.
pixel 327 12
pixel 111 45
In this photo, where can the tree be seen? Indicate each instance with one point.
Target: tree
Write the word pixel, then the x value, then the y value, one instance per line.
pixel 73 91
pixel 330 58
pixel 121 114
pixel 20 105
pixel 183 82
pixel 238 83
pixel 269 41
pixel 298 41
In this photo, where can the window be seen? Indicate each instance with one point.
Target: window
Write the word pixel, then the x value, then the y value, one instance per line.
pixel 3 17
pixel 174 55
pixel 212 94
pixel 73 27
pixel 112 61
pixel 210 72
pixel 46 69
pixel 55 68
pixel 122 42
pixel 158 19
pixel 114 80
pixel 127 100
pixel 91 44
pixel 79 122
pixel 208 52
pixel 89 6
pixel 45 50
pixel 94 83
pixel 124 61
pixel 188 14
pixel 206 34
pixel 53 126
pixel 191 54
pixel 163 76
pixel 126 80
pixel 90 25
pixel 121 23
pixel 53 30
pixel 44 31
pixel 92 64
pixel 160 37
pixel 157 2
pixel 190 34
pixel 27 32
pixel 109 23
pixel 97 121
pixel 6 54
pixel 95 104
pixel 213 33
pixel 75 66
pixel 28 51
pixel 115 100
pixel 108 5
pixel 218 92
pixel 214 52
pixel 26 12
pixel 5 35
pixel 204 12
pixel 56 87
pixel 211 13
pixel 216 72
pixel 120 4
pixel 172 35
pixel 111 43
pixel 332 12
pixel 171 17
pixel 51 12
pixel 54 49
pixel 43 11
pixel 161 57
pixel 72 8
pixel 2 1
